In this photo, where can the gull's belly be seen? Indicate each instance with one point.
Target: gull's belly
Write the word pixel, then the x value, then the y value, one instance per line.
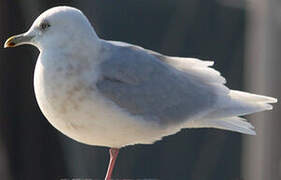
pixel 80 112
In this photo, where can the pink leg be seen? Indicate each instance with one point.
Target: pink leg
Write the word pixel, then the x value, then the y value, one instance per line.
pixel 113 155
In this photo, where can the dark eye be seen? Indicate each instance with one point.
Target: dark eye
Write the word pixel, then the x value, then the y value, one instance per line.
pixel 44 25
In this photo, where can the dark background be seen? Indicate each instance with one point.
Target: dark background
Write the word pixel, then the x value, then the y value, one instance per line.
pixel 235 34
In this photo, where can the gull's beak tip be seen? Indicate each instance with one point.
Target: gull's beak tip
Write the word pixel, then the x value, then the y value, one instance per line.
pixel 9 43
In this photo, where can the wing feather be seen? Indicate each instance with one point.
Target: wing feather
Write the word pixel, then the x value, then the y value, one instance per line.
pixel 144 83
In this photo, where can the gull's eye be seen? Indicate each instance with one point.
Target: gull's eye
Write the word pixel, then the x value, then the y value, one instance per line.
pixel 44 25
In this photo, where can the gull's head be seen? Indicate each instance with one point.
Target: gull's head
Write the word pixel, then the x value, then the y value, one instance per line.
pixel 57 27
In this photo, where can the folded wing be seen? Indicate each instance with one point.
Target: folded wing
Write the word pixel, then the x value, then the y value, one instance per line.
pixel 143 83
pixel 175 90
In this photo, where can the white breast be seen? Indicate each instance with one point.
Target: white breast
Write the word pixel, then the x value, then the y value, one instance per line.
pixel 69 100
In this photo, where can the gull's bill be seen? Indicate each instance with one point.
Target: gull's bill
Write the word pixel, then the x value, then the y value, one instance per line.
pixel 18 40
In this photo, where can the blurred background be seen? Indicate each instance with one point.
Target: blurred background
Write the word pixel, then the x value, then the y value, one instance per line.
pixel 243 37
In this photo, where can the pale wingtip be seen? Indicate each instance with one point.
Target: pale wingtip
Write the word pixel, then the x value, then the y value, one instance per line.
pixel 274 100
pixel 270 99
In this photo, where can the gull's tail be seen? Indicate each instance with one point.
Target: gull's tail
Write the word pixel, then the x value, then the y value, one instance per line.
pixel 230 103
pixel 236 104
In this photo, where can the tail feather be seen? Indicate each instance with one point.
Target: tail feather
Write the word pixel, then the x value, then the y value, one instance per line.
pixel 234 104
pixel 239 103
pixel 252 97
pixel 236 124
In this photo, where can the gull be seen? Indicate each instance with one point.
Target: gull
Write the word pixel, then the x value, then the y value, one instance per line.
pixel 114 94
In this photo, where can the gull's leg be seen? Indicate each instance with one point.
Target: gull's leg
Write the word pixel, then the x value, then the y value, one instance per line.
pixel 113 155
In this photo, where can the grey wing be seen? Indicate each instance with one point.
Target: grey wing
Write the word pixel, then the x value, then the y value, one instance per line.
pixel 143 85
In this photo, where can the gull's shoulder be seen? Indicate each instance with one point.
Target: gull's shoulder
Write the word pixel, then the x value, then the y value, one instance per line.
pixel 120 48
pixel 125 53
pixel 129 62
